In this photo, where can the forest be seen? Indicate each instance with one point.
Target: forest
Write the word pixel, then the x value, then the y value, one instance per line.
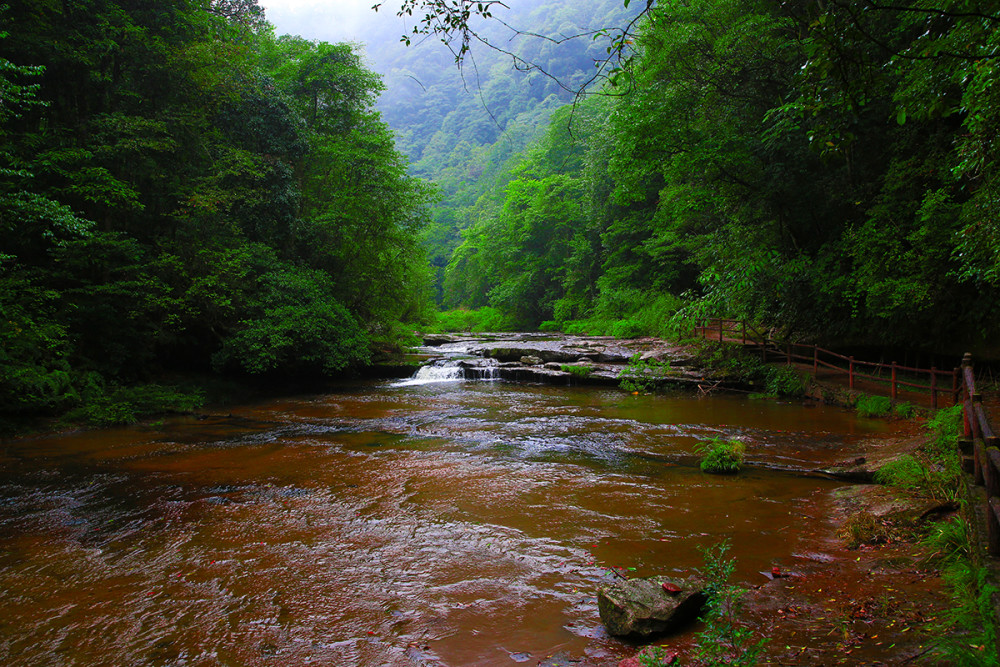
pixel 183 192
pixel 827 169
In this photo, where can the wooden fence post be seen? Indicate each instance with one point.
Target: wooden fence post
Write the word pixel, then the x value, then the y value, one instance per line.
pixel 788 352
pixel 992 476
pixel 850 374
pixel 933 387
pixel 992 456
pixel 894 390
pixel 720 329
pixel 743 326
pixel 815 361
pixel 966 418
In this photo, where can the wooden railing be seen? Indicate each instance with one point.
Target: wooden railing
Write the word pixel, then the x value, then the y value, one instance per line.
pixel 980 444
pixel 938 382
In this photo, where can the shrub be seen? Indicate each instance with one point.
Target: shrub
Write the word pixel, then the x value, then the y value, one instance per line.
pixel 904 410
pixel 906 472
pixel 623 313
pixel 967 636
pixel 627 328
pixel 641 375
pixel 578 370
pixel 486 318
pixel 737 363
pixel 933 470
pixel 945 425
pixel 126 405
pixel 725 640
pixel 721 457
pixel 873 406
pixel 295 324
pixel 549 325
pixel 784 381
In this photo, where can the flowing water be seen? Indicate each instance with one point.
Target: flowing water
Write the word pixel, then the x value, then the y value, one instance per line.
pixel 411 523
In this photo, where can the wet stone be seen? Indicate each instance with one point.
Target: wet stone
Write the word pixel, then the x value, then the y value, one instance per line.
pixel 649 606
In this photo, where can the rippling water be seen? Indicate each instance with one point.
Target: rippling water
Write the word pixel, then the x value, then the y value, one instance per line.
pixel 459 523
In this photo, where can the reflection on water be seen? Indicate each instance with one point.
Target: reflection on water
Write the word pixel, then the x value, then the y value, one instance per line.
pixel 433 524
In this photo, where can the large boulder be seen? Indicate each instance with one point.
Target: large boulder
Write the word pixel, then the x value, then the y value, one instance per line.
pixel 649 606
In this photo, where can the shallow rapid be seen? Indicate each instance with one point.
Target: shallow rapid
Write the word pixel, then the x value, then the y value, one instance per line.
pixel 419 523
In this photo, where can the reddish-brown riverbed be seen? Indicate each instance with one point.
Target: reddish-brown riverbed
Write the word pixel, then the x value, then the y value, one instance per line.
pixel 458 523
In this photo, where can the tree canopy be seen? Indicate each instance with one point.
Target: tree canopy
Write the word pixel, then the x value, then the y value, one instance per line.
pixel 181 190
pixel 825 168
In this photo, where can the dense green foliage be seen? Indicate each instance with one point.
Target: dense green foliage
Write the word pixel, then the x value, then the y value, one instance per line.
pixel 725 638
pixel 967 638
pixel 736 364
pixel 720 456
pixel 935 469
pixel 181 190
pixel 873 406
pixel 642 375
pixel 465 131
pixel 823 168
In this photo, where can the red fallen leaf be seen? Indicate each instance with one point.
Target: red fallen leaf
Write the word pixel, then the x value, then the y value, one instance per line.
pixel 671 588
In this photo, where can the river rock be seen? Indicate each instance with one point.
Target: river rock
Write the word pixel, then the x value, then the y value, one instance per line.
pixel 543 352
pixel 553 366
pixel 531 360
pixel 646 607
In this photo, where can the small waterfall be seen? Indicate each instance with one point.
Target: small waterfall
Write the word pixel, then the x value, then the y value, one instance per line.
pixel 452 370
pixel 446 370
pixel 487 369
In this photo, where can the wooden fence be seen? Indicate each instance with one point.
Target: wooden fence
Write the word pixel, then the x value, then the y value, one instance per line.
pixel 980 445
pixel 936 381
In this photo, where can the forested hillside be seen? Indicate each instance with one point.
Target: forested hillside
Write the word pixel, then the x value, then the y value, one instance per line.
pixel 827 169
pixel 180 190
pixel 464 129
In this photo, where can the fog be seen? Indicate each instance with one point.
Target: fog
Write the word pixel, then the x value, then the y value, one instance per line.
pixel 329 20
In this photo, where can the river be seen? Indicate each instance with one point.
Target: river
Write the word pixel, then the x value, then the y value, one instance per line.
pixel 444 523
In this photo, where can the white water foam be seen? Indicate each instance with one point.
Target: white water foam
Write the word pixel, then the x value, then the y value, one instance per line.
pixel 450 372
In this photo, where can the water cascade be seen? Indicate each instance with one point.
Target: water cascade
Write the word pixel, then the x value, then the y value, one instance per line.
pixel 446 370
pixel 454 370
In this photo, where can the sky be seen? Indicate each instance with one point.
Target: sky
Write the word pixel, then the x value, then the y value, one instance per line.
pixel 328 20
